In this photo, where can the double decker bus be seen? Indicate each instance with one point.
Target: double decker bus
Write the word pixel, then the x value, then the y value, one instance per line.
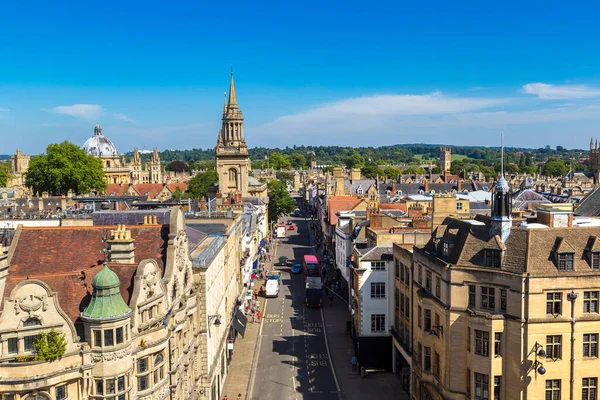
pixel 314 285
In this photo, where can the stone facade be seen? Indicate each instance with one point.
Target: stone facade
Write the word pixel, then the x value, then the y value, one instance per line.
pixel 445 158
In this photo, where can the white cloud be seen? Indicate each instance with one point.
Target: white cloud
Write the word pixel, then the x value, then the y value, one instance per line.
pixel 122 117
pixel 560 92
pixel 4 109
pixel 85 111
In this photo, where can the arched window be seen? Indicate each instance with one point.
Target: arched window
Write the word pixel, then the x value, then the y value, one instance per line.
pixel 158 359
pixel 107 163
pixel 32 322
pixel 233 178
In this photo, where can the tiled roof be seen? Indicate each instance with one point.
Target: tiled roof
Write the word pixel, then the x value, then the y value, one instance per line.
pixel 115 189
pixel 173 186
pixel 148 189
pixel 340 203
pixel 393 206
pixel 68 259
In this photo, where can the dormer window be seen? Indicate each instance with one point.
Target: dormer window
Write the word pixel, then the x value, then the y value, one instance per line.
pixel 594 259
pixel 359 190
pixel 445 249
pixel 398 192
pixel 565 261
pixel 493 258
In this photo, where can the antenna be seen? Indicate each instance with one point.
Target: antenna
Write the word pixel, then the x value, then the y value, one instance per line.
pixel 502 155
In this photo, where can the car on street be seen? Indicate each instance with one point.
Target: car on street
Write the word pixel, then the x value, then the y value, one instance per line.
pixel 291 227
pixel 296 268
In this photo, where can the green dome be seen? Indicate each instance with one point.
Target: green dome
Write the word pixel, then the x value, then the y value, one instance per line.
pixel 106 300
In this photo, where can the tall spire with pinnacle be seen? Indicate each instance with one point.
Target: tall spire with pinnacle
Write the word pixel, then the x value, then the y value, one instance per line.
pixel 232 99
pixel 224 102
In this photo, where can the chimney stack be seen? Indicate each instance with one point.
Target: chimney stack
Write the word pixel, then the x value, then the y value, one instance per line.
pixel 122 246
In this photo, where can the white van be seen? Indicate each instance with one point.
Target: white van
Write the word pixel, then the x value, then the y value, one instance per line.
pixel 272 288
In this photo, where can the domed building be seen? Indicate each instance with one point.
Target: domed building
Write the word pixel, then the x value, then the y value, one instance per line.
pixel 116 170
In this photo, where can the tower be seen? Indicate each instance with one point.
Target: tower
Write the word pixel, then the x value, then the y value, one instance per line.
pixel 155 170
pixel 231 152
pixel 445 158
pixel 501 220
pixel 595 161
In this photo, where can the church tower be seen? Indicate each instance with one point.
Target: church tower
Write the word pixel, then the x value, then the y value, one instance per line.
pixel 231 152
pixel 445 159
pixel 501 221
pixel 595 161
pixel 155 169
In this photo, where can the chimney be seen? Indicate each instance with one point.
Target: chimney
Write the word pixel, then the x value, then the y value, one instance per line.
pixel 426 184
pixel 238 198
pixel 376 219
pixel 415 211
pixel 122 246
pixel 459 185
pixel 355 174
pixel 393 188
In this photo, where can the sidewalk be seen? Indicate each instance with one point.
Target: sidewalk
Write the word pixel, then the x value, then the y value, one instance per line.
pixel 381 385
pixel 240 367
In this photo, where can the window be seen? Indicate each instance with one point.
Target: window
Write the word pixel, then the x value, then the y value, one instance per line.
pixel 445 249
pixel 420 276
pixel 497 387
pixel 397 271
pixel 468 383
pixel 469 339
pixel 498 344
pixel 419 316
pixel 378 265
pixel 142 383
pixel 108 337
pixel 407 308
pixel 8 397
pixel 32 322
pixel 436 364
pixel 438 289
pixel 492 258
pixel 406 275
pixel 13 345
pixel 99 386
pixel 553 389
pixel 119 335
pixel 488 297
pixel 437 320
pixel 503 300
pixel 428 280
pixel 565 261
pixel 472 295
pixel 377 322
pixel 595 260
pixel 61 392
pixel 589 389
pixel 482 386
pixel 419 353
pixel 427 320
pixel 590 345
pixel 427 364
pixel 120 383
pixel 98 338
pixel 554 303
pixel 590 302
pixel 458 206
pixel 482 343
pixel 142 365
pixel 110 386
pixel 397 297
pixel 377 290
pixel 29 341
pixel 553 347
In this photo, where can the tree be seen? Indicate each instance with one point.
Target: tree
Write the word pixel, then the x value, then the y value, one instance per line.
pixel 298 161
pixel 64 167
pixel 354 160
pixel 280 201
pixel 204 165
pixel 436 170
pixel 392 172
pixel 3 175
pixel 278 161
pixel 198 185
pixel 555 167
pixel 50 345
pixel 178 194
pixel 285 177
pixel 371 171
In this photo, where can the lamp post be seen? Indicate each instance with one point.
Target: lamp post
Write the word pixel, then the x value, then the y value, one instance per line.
pixel 436 330
pixel 539 353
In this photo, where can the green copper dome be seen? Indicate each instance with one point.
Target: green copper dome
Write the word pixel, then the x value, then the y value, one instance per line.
pixel 106 300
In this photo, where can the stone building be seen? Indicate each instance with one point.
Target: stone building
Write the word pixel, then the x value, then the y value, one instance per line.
pixel 19 166
pixel 595 161
pixel 445 158
pixel 136 313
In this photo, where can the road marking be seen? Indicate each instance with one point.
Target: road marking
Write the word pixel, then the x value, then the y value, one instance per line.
pixel 256 355
pixel 337 385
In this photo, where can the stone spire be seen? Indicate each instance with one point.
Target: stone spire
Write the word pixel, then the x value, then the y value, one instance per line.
pixel 232 99
pixel 591 143
pixel 224 103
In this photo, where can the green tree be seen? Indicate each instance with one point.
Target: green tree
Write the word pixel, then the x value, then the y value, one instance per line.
pixel 50 345
pixel 371 171
pixel 298 161
pixel 555 167
pixel 354 160
pixel 4 171
pixel 392 172
pixel 204 165
pixel 198 185
pixel 280 201
pixel 178 194
pixel 436 170
pixel 278 161
pixel 64 167
pixel 284 177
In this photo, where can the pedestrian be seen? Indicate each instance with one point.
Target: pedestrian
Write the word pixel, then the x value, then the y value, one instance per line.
pixel 253 303
pixel 239 397
pixel 354 362
pixel 225 397
pixel 253 315
pixel 258 315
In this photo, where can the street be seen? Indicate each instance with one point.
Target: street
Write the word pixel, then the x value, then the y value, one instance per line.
pixel 293 359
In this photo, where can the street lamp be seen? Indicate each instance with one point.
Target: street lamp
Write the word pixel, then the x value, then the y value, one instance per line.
pixel 216 318
pixel 437 330
pixel 539 352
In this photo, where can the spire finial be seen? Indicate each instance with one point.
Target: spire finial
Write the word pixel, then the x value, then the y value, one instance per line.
pixel 224 102
pixel 502 155
pixel 232 99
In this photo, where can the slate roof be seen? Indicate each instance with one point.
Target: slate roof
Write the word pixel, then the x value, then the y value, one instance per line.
pixel 527 250
pixel 130 217
pixel 376 253
pixel 353 185
pixel 589 206
pixel 68 259
pixel 208 228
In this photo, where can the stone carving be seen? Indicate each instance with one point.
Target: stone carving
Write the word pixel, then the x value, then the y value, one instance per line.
pixel 112 356
pixel 31 304
pixel 149 281
pixel 180 253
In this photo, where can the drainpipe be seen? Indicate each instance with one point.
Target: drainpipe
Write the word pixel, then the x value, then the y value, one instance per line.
pixel 572 297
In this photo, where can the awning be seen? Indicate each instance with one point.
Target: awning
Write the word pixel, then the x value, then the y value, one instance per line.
pixel 255 264
pixel 240 321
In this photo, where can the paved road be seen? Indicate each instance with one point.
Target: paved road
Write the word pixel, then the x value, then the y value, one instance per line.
pixel 293 360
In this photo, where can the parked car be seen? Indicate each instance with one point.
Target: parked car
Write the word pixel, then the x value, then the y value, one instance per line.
pixel 296 268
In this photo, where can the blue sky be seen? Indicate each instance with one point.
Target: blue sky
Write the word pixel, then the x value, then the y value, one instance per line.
pixel 331 73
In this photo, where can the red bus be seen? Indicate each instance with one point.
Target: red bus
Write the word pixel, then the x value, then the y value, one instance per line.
pixel 311 266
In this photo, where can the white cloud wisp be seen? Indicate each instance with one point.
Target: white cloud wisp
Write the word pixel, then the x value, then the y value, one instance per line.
pixel 560 92
pixel 84 111
pixel 122 117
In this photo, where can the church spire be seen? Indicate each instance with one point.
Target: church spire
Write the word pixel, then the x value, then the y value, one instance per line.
pixel 224 102
pixel 232 99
